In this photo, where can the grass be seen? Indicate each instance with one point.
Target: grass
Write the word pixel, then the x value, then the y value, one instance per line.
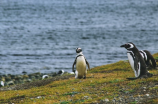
pixel 107 81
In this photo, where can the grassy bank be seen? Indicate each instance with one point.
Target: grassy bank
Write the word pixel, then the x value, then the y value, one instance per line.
pixel 104 84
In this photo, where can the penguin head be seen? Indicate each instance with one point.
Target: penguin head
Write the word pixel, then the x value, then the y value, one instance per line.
pixel 78 50
pixel 128 46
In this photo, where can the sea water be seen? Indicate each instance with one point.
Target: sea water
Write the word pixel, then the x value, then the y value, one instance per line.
pixel 42 35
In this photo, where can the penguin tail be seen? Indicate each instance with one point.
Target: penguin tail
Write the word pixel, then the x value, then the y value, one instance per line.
pixel 153 61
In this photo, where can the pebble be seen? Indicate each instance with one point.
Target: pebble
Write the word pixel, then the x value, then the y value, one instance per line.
pixel 38 97
pixel 10 83
pixel 1 84
pixel 114 100
pixel 71 73
pixel 106 100
pixel 26 78
pixel 147 95
pixel 144 87
pixel 87 97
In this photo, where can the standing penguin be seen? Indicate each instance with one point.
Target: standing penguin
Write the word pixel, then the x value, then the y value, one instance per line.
pixel 80 62
pixel 136 61
pixel 148 58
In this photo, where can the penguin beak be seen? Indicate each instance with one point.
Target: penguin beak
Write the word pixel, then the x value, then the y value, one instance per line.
pixel 122 46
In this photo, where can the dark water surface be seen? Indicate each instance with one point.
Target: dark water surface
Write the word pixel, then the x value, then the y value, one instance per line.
pixel 42 35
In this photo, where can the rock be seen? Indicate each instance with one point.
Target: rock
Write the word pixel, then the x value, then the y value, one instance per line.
pixel 2 78
pixel 24 72
pixel 144 87
pixel 147 95
pixel 126 92
pixel 71 73
pixel 10 83
pixel 87 97
pixel 25 76
pixel 32 77
pixel 12 76
pixel 120 99
pixel 8 78
pixel 18 77
pixel 38 97
pixel 1 84
pixel 27 80
pixel 37 76
pixel 106 100
pixel 114 100
pixel 16 82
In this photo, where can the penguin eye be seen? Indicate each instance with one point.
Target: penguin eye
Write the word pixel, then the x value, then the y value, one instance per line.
pixel 127 45
pixel 130 46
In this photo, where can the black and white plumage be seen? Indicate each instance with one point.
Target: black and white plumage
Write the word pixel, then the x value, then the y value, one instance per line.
pixel 80 62
pixel 148 58
pixel 45 76
pixel 136 61
pixel 60 72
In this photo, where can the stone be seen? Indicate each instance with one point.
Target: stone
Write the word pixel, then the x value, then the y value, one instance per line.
pixel 1 84
pixel 106 100
pixel 10 83
pixel 147 95
pixel 38 97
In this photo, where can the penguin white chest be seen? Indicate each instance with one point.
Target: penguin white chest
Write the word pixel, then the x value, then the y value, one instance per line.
pixel 131 60
pixel 81 64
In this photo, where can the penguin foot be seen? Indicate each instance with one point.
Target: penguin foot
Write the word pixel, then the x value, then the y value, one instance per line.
pixel 149 74
pixel 132 78
pixel 143 76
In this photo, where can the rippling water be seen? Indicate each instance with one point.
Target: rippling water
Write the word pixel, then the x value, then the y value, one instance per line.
pixel 42 35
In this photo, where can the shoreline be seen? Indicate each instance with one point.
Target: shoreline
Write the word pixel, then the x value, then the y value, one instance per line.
pixel 9 80
pixel 104 84
pixel 23 78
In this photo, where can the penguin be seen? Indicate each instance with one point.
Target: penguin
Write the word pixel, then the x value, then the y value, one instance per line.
pixel 136 61
pixel 148 58
pixel 80 62
pixel 60 72
pixel 45 77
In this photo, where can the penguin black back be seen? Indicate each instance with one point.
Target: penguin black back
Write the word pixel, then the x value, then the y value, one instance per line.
pixel 148 58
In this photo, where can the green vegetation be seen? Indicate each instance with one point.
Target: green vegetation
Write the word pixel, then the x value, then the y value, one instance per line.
pixel 107 81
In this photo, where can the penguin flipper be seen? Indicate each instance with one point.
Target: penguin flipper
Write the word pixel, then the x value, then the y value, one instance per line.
pixel 136 66
pixel 132 78
pixel 87 64
pixel 73 66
